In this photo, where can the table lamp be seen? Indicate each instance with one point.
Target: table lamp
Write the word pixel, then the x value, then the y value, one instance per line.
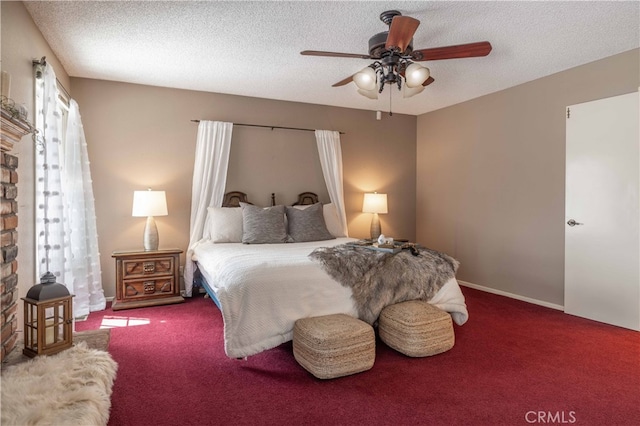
pixel 375 203
pixel 149 203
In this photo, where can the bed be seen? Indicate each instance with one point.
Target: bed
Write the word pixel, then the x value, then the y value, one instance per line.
pixel 263 288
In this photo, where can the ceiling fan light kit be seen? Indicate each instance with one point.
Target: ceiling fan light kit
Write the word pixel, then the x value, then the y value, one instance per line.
pixel 408 91
pixel 371 94
pixel 416 74
pixel 365 79
pixel 394 58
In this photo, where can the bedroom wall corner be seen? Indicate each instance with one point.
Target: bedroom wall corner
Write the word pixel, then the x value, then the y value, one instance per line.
pixel 491 174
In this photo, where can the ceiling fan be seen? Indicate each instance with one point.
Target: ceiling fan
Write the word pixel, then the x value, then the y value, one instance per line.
pixel 394 58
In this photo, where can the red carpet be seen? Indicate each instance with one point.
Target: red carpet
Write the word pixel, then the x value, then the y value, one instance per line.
pixel 513 363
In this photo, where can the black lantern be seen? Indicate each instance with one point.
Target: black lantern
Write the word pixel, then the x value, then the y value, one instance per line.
pixel 47 318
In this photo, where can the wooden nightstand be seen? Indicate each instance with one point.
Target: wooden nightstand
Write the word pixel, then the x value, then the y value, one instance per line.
pixel 147 278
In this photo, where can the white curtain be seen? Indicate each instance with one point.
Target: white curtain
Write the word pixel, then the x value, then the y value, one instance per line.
pixel 83 276
pixel 209 180
pixel 330 152
pixel 66 237
pixel 49 204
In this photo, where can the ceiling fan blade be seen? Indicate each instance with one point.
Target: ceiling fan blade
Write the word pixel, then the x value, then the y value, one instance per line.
pixel 343 82
pixel 401 32
pixel 428 81
pixel 481 48
pixel 334 54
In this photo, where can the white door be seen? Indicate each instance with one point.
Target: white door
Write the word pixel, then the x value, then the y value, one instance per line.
pixel 602 211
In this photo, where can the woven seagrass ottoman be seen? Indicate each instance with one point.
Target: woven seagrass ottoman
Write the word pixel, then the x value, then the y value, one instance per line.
pixel 416 328
pixel 333 346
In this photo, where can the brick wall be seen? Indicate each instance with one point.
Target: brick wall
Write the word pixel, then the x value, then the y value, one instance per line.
pixel 12 132
pixel 9 251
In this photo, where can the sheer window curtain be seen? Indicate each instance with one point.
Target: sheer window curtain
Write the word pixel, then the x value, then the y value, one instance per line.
pixel 82 254
pixel 330 151
pixel 49 205
pixel 213 146
pixel 67 239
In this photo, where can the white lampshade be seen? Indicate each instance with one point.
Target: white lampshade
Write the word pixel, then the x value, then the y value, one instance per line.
pixel 371 94
pixel 365 79
pixel 415 75
pixel 374 203
pixel 149 203
pixel 408 92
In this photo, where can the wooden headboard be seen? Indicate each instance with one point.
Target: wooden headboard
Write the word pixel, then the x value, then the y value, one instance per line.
pixel 306 198
pixel 234 198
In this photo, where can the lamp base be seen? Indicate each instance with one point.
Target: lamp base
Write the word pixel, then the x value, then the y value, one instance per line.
pixel 376 229
pixel 150 238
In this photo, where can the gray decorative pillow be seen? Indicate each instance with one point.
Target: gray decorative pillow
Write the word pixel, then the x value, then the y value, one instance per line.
pixel 263 225
pixel 307 224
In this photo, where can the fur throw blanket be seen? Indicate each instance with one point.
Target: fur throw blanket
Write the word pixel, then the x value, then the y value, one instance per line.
pixel 72 387
pixel 378 279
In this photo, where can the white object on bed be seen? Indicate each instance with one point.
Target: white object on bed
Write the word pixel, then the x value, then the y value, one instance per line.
pixel 225 224
pixel 450 298
pixel 263 289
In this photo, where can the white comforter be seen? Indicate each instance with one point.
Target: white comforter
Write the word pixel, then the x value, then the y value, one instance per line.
pixel 264 288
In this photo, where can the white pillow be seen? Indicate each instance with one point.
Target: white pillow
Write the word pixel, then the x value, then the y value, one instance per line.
pixel 331 219
pixel 225 224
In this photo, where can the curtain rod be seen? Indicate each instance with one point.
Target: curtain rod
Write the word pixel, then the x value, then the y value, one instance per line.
pixel 43 62
pixel 270 127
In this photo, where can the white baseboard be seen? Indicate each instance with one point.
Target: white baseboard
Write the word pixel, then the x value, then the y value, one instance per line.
pixel 109 299
pixel 511 295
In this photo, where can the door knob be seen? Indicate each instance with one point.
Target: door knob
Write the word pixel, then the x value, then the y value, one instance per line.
pixel 572 222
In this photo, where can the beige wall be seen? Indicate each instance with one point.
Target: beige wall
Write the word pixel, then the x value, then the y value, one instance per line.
pixel 22 42
pixel 489 172
pixel 141 136
pixel 490 177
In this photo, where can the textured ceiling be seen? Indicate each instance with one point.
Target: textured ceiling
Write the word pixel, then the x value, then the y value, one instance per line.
pixel 253 48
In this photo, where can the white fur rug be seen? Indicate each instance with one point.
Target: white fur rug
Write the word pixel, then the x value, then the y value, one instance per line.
pixel 72 387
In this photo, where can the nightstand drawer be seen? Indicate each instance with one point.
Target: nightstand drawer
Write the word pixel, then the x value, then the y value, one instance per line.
pixel 147 278
pixel 134 268
pixel 147 287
